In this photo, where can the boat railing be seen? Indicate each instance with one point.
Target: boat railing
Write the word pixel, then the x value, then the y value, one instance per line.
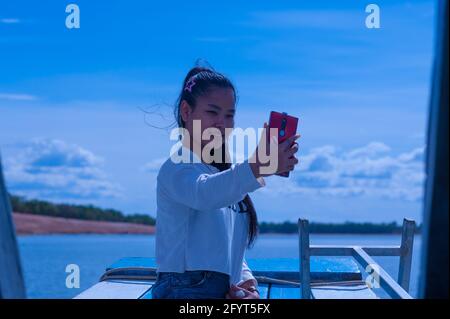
pixel 342 281
pixel 363 255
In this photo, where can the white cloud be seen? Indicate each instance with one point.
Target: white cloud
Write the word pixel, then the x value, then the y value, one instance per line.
pixel 371 150
pixel 17 97
pixel 153 165
pixel 9 20
pixel 335 19
pixel 53 169
pixel 369 170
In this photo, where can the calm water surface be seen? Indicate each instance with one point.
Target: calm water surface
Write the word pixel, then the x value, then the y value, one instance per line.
pixel 44 258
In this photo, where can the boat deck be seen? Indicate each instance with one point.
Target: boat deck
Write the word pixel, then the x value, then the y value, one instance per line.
pixel 331 278
pixel 321 272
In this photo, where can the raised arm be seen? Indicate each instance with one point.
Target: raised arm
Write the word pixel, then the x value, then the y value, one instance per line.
pixel 188 185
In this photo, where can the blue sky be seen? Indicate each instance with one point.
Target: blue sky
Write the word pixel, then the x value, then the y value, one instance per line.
pixel 72 129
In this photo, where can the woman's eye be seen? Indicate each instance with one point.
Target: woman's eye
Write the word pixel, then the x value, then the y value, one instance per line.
pixel 211 112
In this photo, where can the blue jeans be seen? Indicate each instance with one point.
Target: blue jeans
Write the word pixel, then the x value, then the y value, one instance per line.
pixel 192 284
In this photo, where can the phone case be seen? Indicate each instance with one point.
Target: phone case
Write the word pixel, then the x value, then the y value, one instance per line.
pixel 287 127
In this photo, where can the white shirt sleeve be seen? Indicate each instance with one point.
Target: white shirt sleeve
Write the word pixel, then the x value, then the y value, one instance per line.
pixel 188 185
pixel 246 272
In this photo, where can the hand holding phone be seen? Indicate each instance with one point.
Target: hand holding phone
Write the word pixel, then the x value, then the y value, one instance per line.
pixel 285 129
pixel 286 126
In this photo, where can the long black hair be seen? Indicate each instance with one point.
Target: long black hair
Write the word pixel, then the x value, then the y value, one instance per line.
pixel 206 79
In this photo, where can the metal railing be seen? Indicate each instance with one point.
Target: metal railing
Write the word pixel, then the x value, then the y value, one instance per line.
pixel 362 254
pixel 305 279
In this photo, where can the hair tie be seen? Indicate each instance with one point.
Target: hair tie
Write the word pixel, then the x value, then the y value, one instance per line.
pixel 190 84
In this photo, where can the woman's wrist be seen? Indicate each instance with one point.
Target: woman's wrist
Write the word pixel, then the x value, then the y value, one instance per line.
pixel 254 289
pixel 250 285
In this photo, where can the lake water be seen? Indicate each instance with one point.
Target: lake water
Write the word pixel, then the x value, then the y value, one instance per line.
pixel 44 258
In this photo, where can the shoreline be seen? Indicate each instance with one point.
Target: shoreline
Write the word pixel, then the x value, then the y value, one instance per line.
pixel 31 224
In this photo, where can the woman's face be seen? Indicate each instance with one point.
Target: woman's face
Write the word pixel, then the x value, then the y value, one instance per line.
pixel 214 110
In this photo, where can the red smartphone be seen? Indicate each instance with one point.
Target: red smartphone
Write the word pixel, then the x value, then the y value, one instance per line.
pixel 287 127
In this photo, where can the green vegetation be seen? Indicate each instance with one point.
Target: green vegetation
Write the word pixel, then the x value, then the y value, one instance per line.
pixel 85 212
pixel 328 228
pixel 90 212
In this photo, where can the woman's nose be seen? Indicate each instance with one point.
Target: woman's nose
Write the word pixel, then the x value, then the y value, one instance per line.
pixel 220 124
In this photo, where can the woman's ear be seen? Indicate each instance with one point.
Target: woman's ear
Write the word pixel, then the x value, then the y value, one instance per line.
pixel 185 111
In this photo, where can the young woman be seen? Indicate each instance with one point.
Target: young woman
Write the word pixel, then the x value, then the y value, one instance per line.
pixel 205 217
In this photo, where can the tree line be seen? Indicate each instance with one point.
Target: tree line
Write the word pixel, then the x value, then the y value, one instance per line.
pixel 330 228
pixel 86 212
pixel 90 212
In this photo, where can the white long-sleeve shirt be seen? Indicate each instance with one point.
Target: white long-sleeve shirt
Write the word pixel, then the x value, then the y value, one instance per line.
pixel 196 230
